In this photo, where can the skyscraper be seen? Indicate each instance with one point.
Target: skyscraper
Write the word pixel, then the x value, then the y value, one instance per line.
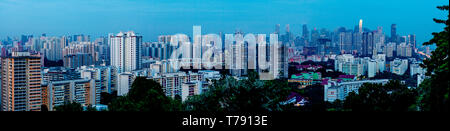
pixel 394 33
pixel 21 82
pixel 345 42
pixel 360 25
pixel 412 40
pixel 367 43
pixel 287 28
pixel 125 51
pixel 277 29
pixel 305 35
pixel 314 36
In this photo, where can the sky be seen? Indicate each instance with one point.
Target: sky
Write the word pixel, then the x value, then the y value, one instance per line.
pixel 151 18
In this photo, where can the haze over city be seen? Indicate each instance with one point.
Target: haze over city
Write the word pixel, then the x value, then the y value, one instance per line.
pixel 168 17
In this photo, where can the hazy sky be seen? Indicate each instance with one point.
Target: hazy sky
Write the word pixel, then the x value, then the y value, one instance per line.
pixel 151 18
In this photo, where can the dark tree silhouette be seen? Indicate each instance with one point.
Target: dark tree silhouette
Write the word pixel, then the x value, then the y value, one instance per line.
pixel 436 90
pixel 69 107
pixel 44 108
pixel 252 94
pixel 144 95
pixel 392 96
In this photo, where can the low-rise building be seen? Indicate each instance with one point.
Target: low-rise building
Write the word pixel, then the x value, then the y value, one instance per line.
pixel 83 91
pixel 399 66
pixel 172 82
pixel 335 90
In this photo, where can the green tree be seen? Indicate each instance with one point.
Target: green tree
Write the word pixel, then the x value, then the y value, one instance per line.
pixel 69 107
pixel 44 108
pixel 106 98
pixel 435 93
pixel 252 94
pixel 392 96
pixel 144 95
pixel 90 108
pixel 337 105
pixel 315 97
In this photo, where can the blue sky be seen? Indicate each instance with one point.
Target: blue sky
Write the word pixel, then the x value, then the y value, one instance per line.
pixel 151 18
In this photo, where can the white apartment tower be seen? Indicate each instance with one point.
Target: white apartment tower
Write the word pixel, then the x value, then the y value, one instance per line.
pixel 125 51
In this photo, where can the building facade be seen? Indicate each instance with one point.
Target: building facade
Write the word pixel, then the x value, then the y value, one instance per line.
pixel 83 91
pixel 21 82
pixel 125 51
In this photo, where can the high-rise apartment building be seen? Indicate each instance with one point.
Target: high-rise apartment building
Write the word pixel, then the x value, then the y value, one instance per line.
pixel 125 51
pixel 83 91
pixel 21 82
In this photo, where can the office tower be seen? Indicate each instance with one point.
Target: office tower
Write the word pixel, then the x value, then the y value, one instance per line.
pixel 282 70
pixel 360 26
pixel 287 28
pixel 379 40
pixel 126 51
pixel 277 29
pixel 411 40
pixel 305 35
pixel 345 42
pixel 394 33
pixel 21 82
pixel 314 37
pixel 288 38
pixel 356 29
pixel 357 42
pixel 367 44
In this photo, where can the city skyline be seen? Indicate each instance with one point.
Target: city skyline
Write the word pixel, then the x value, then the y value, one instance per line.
pixel 154 18
pixel 223 63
